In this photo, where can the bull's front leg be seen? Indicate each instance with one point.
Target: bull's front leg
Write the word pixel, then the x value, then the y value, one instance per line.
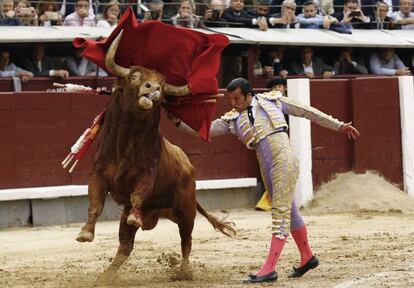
pixel 97 191
pixel 143 188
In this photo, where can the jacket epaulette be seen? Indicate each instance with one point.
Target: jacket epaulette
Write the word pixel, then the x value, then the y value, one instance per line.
pixel 271 95
pixel 231 115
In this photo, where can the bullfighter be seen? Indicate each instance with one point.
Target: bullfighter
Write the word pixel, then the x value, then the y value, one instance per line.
pixel 258 120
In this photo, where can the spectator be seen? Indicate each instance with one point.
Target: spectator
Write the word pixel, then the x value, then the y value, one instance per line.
pixel 48 13
pixel 287 18
pixel 8 69
pixel 351 15
pixel 404 16
pixel 110 15
pixel 213 16
pixel 186 16
pixel 387 62
pixel 80 66
pixel 82 17
pixel 310 20
pixel 26 13
pixel 278 84
pixel 237 16
pixel 381 20
pixel 155 12
pixel 276 58
pixel 258 69
pixel 69 6
pixel 7 14
pixel 311 66
pixel 347 63
pixel 260 15
pixel 41 65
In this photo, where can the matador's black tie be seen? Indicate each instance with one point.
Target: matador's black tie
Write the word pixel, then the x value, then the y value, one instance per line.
pixel 250 114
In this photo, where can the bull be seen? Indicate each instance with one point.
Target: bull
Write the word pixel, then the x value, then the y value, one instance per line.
pixel 146 174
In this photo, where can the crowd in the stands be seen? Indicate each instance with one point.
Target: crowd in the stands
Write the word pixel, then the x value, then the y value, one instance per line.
pixel 339 15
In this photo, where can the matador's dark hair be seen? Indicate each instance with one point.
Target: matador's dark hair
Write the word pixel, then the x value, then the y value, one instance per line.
pixel 241 83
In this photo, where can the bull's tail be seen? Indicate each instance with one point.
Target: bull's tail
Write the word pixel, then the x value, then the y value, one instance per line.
pixel 224 227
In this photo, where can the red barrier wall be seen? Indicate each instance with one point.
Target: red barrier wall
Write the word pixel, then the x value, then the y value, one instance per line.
pixel 331 152
pixel 377 116
pixel 39 128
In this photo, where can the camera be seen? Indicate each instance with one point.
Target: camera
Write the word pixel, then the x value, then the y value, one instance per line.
pixel 355 14
pixel 215 14
pixel 26 11
pixel 155 14
pixel 52 15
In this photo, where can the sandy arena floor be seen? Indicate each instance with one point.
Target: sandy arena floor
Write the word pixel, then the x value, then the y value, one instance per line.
pixel 367 249
pixel 364 247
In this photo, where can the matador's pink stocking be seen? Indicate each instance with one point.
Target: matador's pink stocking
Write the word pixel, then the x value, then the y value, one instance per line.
pixel 276 247
pixel 301 238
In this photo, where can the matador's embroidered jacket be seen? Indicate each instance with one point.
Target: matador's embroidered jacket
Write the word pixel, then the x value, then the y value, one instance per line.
pixel 270 109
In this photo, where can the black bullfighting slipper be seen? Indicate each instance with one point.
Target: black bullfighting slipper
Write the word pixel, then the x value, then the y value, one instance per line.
pixel 299 272
pixel 272 276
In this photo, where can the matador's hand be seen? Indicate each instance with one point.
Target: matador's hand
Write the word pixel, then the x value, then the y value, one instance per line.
pixel 349 130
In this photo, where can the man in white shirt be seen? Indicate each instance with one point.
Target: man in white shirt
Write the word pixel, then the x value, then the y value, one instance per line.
pixel 82 17
pixel 404 16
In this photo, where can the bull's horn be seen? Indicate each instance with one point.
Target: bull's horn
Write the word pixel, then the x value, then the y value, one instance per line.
pixel 110 59
pixel 176 90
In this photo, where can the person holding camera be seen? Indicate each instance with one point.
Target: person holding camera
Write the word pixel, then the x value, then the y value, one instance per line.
pixel 213 16
pixel 48 14
pixel 110 15
pixel 186 16
pixel 154 11
pixel 352 16
pixel 26 13
pixel 82 17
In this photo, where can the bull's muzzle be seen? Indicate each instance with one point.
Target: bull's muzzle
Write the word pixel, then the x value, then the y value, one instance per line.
pixel 146 100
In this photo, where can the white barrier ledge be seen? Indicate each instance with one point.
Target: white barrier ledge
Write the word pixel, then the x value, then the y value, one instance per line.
pixel 50 192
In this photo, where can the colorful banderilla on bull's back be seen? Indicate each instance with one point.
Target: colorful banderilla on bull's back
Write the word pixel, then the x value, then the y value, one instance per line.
pixel 82 145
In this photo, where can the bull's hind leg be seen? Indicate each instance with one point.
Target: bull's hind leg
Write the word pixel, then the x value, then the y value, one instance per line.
pixel 126 243
pixel 185 221
pixel 97 192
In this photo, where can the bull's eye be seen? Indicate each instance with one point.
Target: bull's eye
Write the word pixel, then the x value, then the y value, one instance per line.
pixel 134 77
pixel 147 85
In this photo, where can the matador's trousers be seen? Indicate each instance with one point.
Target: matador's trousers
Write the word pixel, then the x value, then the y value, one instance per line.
pixel 280 170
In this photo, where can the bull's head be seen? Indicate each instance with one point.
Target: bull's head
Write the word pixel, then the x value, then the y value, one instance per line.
pixel 148 84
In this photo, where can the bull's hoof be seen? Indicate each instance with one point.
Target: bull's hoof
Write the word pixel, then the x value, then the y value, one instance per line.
pixel 109 276
pixel 134 221
pixel 182 274
pixel 85 236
